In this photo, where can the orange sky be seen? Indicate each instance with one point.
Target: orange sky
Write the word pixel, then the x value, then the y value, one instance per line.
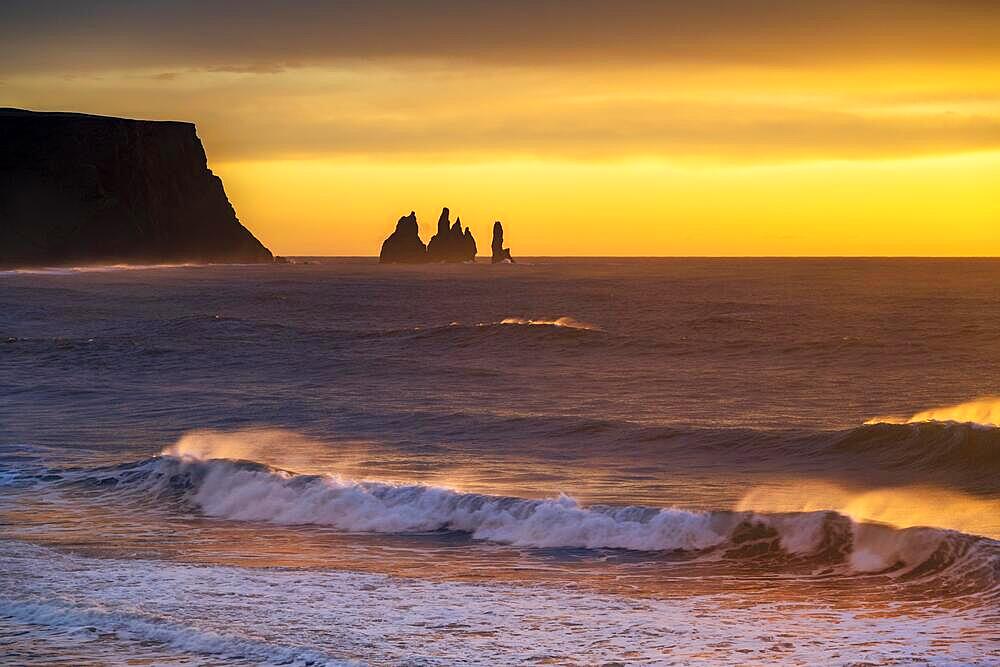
pixel 638 128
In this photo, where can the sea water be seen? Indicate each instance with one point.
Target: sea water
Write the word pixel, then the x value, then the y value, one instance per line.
pixel 553 462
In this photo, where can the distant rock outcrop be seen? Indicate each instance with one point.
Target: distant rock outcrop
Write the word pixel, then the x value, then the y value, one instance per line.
pixel 76 188
pixel 404 245
pixel 500 254
pixel 470 245
pixel 451 244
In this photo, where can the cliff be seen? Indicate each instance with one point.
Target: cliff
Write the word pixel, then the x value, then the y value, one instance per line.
pixel 76 188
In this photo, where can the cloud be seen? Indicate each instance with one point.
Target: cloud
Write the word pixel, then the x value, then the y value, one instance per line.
pixel 271 35
pixel 488 113
pixel 717 81
pixel 700 133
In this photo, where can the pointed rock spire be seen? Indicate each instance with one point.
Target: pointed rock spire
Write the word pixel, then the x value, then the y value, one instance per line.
pixel 450 244
pixel 500 254
pixel 470 245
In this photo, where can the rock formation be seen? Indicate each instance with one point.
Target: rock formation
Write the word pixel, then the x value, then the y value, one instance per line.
pixel 76 188
pixel 451 244
pixel 500 254
pixel 470 245
pixel 404 245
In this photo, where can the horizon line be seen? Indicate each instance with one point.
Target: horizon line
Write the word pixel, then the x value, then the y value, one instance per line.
pixel 375 257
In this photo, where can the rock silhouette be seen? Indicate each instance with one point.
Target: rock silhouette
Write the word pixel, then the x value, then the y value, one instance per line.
pixel 76 188
pixel 500 254
pixel 404 245
pixel 451 244
pixel 470 245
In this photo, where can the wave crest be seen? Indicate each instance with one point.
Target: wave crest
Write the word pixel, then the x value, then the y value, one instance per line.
pixel 566 322
pixel 982 411
pixel 247 491
pixel 250 491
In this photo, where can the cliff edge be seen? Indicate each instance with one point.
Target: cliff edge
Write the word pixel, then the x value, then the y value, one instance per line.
pixel 82 189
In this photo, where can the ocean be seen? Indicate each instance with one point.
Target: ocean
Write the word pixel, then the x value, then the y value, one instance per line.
pixel 555 462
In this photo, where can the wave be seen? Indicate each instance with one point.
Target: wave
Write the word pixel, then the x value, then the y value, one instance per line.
pixel 255 492
pixel 958 451
pixel 508 329
pixel 898 506
pixel 982 411
pixel 452 328
pixel 94 268
pixel 567 322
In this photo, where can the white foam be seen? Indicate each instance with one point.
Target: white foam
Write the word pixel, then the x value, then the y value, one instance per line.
pixel 235 492
pixel 269 615
pixel 183 638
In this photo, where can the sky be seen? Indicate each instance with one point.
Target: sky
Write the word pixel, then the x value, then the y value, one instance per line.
pixel 718 127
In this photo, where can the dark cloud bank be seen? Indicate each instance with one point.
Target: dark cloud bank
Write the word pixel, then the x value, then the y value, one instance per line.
pixel 266 35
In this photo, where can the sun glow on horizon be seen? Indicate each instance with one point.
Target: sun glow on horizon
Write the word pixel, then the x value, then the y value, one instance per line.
pixel 636 208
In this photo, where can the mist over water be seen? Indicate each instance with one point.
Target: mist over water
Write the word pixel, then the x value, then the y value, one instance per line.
pixel 807 449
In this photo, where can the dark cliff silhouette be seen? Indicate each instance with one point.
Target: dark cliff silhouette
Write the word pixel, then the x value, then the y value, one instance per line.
pixel 404 245
pixel 500 254
pixel 450 244
pixel 76 188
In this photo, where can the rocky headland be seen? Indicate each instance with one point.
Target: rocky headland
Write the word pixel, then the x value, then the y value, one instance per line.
pixel 83 189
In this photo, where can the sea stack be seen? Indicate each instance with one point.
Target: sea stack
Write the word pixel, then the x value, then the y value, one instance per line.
pixel 404 245
pixel 82 189
pixel 500 254
pixel 470 245
pixel 451 243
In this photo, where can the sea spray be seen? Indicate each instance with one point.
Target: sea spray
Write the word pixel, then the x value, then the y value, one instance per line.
pixel 982 411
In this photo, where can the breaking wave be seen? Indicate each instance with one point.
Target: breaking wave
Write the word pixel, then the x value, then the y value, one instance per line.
pixel 255 492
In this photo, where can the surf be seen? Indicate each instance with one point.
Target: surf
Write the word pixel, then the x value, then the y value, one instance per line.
pixel 190 480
